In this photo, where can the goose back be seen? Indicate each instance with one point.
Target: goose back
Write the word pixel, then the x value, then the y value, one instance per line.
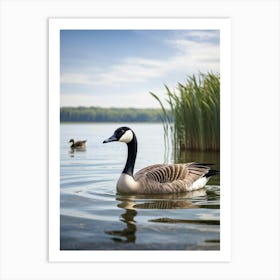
pixel 78 144
pixel 168 178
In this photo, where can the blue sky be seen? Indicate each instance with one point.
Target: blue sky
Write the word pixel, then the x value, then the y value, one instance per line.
pixel 118 68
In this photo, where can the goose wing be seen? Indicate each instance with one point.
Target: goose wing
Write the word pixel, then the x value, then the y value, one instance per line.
pixel 80 143
pixel 166 178
pixel 147 169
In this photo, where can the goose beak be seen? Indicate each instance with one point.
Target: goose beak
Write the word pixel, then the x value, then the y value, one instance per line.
pixel 111 139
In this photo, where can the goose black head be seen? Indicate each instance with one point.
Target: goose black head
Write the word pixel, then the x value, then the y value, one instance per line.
pixel 71 141
pixel 122 134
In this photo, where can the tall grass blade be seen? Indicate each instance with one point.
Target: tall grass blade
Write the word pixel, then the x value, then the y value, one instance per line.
pixel 194 123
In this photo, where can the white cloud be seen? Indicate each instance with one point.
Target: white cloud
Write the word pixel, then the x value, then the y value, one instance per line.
pixel 191 57
pixel 76 78
pixel 139 99
pixel 204 35
pixel 131 70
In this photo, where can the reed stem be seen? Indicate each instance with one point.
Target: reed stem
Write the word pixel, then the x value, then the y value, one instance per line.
pixel 193 120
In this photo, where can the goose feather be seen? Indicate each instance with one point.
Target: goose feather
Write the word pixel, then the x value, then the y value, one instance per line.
pixel 170 178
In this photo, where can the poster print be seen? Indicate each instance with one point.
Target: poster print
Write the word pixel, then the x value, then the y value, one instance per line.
pixel 139 116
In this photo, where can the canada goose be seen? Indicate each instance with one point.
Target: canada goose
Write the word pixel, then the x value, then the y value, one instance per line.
pixel 158 178
pixel 78 145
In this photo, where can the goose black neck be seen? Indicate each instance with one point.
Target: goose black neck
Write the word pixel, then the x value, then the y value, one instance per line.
pixel 131 156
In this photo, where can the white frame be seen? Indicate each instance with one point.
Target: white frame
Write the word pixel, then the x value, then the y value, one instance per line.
pixel 57 24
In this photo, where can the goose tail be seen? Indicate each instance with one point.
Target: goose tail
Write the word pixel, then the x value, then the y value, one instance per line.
pixel 211 173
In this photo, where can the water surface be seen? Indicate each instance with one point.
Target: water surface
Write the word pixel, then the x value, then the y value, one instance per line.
pixel 94 217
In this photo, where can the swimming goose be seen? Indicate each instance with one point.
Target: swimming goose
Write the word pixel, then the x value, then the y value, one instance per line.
pixel 78 145
pixel 158 178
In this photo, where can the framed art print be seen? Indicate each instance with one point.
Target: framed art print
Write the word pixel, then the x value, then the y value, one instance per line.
pixel 130 94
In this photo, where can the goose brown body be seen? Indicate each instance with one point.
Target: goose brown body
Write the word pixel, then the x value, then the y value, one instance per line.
pixel 78 144
pixel 171 178
pixel 158 178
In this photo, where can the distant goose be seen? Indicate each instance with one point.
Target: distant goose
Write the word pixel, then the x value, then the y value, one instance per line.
pixel 78 145
pixel 158 178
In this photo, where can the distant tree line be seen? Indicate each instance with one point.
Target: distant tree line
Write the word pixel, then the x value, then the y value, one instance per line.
pixel 99 114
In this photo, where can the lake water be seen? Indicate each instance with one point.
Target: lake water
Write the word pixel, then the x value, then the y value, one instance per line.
pixel 94 217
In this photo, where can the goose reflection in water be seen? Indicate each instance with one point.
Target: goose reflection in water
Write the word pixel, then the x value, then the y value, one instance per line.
pixel 128 233
pixel 164 201
pixel 72 151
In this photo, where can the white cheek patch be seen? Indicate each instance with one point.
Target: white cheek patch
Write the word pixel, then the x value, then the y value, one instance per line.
pixel 127 137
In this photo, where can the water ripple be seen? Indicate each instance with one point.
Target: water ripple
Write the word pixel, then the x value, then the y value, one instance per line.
pixel 95 217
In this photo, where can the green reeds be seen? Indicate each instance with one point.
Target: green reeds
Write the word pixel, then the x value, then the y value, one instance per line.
pixel 194 123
